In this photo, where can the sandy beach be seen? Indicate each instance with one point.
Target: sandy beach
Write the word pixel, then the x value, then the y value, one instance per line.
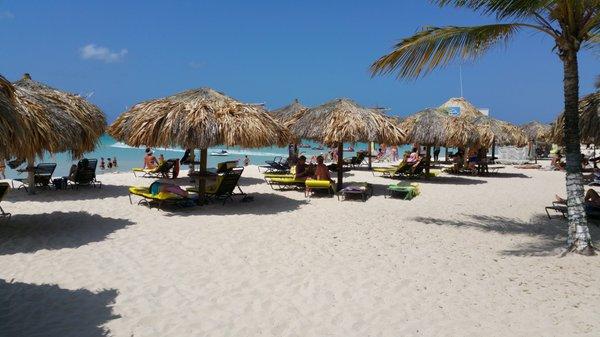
pixel 470 256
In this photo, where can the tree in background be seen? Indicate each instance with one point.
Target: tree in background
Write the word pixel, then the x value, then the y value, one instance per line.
pixel 571 24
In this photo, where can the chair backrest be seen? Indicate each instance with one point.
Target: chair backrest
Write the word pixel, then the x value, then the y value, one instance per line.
pixel 45 169
pixel 86 171
pixel 92 164
pixel 4 187
pixel 226 166
pixel 229 181
pixel 165 166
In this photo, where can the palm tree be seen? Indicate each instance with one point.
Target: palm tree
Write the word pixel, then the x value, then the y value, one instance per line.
pixel 572 25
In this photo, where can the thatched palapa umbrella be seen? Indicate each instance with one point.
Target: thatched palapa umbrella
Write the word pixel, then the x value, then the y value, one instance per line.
pixel 343 120
pixel 198 118
pixel 54 121
pixel 436 127
pixel 589 121
pixel 535 132
pixel 10 126
pixel 283 115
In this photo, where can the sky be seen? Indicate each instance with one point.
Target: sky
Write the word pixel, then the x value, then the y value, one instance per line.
pixel 122 52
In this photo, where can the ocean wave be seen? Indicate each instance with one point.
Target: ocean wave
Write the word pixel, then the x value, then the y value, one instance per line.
pixel 240 152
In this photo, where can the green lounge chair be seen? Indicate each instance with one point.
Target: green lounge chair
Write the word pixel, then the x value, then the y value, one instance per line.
pixel 225 187
pixel 4 187
pixel 404 191
pixel 85 174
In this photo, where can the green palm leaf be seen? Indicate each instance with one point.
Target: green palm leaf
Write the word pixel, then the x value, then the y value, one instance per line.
pixel 433 47
pixel 502 8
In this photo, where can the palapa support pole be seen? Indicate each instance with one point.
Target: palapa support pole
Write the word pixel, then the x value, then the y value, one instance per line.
pixel 494 151
pixel 192 159
pixel 31 175
pixel 370 146
pixel 445 154
pixel 428 160
pixel 202 180
pixel 340 165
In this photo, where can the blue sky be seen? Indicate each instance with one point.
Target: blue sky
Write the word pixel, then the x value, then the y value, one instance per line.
pixel 269 52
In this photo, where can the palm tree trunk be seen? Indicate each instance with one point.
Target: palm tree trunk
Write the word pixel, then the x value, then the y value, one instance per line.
pixel 579 239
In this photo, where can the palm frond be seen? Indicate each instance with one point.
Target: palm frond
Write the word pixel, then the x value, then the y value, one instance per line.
pixel 502 8
pixel 435 47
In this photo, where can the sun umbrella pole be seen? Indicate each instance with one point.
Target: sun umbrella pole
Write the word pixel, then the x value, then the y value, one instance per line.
pixel 493 151
pixel 31 175
pixel 340 165
pixel 370 144
pixel 428 159
pixel 192 159
pixel 202 183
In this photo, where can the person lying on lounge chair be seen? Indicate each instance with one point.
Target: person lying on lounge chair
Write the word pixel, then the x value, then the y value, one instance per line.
pixel 592 199
pixel 170 188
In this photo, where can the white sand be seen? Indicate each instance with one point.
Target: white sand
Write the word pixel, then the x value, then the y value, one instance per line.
pixel 471 256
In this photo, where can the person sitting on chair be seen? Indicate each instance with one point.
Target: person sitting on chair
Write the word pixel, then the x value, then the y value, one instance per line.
pixel 591 200
pixel 302 170
pixel 413 158
pixel 150 161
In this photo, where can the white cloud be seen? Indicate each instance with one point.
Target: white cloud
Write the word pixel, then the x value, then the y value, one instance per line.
pixel 94 52
pixel 196 65
pixel 6 15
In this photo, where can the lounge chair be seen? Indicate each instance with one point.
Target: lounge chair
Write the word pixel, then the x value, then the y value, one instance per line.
pixel 161 171
pixel 276 165
pixel 85 174
pixel 392 171
pixel 285 181
pixel 312 185
pixel 405 191
pixel 4 187
pixel 356 189
pixel 225 186
pixel 561 207
pixel 151 195
pixel 42 175
pixel 222 188
pixel 356 160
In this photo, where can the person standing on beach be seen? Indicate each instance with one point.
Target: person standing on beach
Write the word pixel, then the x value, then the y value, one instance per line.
pixel 246 160
pixel 2 169
pixel 115 162
pixel 102 164
pixel 436 153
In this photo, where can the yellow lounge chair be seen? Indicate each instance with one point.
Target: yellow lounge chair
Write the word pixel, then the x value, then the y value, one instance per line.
pixel 161 197
pixel 313 184
pixel 162 170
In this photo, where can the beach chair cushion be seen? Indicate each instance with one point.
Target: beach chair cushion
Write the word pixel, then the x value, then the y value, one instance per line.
pixel 318 184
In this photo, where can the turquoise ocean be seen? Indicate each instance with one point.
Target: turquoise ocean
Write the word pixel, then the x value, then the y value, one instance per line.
pixel 129 157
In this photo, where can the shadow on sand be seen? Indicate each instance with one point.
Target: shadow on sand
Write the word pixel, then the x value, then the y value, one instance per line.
pixel 262 204
pixel 83 193
pixel 47 310
pixel 27 233
pixel 550 234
